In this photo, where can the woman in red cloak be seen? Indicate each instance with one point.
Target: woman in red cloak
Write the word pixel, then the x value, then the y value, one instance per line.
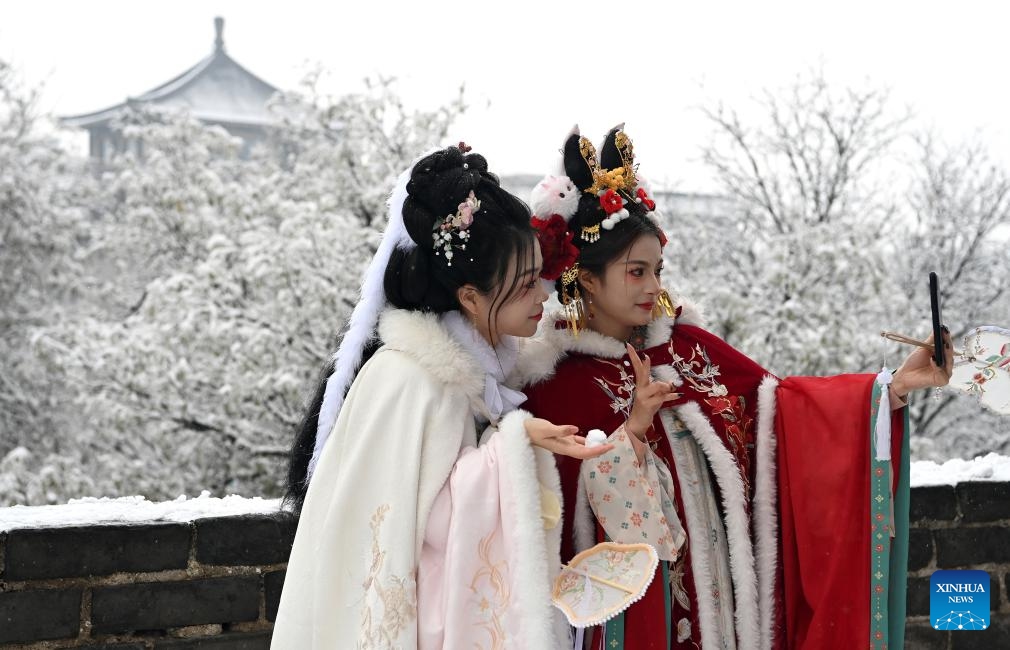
pixel 778 507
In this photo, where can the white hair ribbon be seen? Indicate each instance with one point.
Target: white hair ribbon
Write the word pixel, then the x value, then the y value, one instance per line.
pixel 361 327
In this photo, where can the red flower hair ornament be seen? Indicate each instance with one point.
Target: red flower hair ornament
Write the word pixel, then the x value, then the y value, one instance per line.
pixel 613 205
pixel 611 201
pixel 556 199
pixel 643 198
pixel 556 245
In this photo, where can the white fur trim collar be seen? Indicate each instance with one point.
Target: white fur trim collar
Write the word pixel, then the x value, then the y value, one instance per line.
pixel 539 356
pixel 422 337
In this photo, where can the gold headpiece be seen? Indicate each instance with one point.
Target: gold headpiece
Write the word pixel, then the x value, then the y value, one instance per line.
pixel 572 304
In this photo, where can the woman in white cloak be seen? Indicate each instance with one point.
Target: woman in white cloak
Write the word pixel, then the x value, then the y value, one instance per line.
pixel 431 519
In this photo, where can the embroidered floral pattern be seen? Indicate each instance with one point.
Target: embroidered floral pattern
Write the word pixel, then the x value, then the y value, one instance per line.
pixel 738 425
pixel 986 360
pixel 676 578
pixel 698 371
pixel 491 594
pixel 683 630
pixel 396 596
pixel 622 393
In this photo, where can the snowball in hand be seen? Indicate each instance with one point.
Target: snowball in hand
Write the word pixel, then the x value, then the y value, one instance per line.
pixel 595 438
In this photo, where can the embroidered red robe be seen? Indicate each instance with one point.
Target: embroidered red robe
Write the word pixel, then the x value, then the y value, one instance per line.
pixel 812 567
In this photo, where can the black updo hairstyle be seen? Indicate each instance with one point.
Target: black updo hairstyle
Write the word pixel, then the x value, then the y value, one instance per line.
pixel 423 281
pixel 420 280
pixel 580 162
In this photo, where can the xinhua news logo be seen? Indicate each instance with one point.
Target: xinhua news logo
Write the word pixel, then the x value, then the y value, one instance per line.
pixel 959 600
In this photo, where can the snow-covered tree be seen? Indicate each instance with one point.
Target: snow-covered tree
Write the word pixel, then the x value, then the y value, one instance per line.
pixel 819 247
pixel 44 233
pixel 162 322
pixel 960 211
pixel 792 270
pixel 227 281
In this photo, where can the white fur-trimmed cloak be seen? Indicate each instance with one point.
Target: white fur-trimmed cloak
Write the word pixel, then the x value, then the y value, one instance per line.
pixel 412 535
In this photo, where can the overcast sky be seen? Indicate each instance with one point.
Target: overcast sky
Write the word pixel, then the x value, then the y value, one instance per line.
pixel 532 69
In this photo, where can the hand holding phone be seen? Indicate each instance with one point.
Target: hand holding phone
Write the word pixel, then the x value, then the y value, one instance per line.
pixel 934 303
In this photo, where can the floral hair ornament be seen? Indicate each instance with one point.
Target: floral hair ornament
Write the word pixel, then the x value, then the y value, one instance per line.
pixel 663 240
pixel 555 239
pixel 554 200
pixel 641 196
pixel 613 205
pixel 465 149
pixel 455 226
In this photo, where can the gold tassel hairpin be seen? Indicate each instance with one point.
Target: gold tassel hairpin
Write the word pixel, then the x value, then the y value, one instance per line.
pixel 663 304
pixel 572 304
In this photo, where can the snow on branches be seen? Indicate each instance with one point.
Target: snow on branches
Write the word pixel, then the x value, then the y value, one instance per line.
pixel 216 282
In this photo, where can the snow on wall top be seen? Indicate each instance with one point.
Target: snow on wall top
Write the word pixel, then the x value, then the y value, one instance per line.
pixel 135 509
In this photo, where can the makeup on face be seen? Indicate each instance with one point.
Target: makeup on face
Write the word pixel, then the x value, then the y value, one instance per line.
pixel 520 315
pixel 626 294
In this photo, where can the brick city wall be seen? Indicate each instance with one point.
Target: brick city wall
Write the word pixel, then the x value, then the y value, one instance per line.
pixel 214 584
pixel 961 527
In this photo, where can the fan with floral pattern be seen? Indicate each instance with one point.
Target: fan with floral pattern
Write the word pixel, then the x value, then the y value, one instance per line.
pixel 603 581
pixel 982 367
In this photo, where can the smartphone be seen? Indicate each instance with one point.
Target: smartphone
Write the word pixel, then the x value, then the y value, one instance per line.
pixel 934 303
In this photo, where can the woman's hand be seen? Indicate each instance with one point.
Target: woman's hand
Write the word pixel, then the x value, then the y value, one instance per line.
pixel 920 371
pixel 650 396
pixel 561 439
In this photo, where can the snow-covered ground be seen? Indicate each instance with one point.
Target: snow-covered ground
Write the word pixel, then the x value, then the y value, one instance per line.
pixel 86 511
pixel 89 510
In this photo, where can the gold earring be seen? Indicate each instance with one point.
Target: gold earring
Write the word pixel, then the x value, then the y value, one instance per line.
pixel 663 304
pixel 573 306
pixel 589 300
